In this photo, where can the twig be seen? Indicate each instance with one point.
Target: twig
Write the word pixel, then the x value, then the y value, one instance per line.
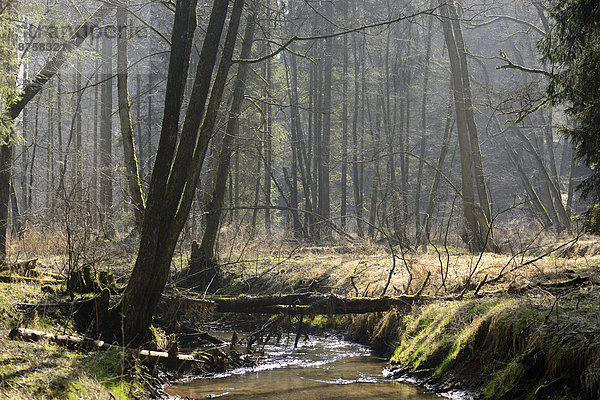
pixel 480 285
pixel 510 64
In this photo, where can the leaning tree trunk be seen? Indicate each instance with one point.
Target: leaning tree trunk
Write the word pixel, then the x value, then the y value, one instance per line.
pixel 130 160
pixel 479 228
pixel 539 210
pixel 50 69
pixel 207 246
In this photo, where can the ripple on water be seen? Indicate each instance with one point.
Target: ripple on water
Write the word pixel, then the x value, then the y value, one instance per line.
pixel 319 368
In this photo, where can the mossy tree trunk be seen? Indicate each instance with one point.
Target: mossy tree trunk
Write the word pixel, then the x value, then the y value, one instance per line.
pixel 177 166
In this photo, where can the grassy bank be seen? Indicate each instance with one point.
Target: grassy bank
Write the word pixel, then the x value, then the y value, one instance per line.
pixel 504 347
pixel 42 370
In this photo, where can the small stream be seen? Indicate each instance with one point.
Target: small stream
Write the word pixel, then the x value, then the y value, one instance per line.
pixel 319 368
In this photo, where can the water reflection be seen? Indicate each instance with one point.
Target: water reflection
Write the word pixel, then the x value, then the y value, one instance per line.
pixel 322 368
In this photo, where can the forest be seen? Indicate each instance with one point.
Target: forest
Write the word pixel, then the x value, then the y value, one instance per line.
pixel 420 178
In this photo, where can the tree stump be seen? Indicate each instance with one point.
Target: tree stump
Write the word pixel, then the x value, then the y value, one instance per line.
pixel 203 273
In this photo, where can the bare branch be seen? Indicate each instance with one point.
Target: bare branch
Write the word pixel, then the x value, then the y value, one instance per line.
pixel 511 65
pixel 496 18
pixel 336 34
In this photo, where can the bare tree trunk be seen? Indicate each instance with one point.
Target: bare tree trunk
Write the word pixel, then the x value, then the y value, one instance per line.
pixel 324 203
pixel 175 175
pixel 24 150
pixel 344 180
pixel 549 139
pixel 30 203
pixel 15 211
pixel 134 188
pixel 5 174
pixel 95 144
pixel 563 221
pixel 539 210
pixel 398 222
pixel 106 170
pixel 50 156
pixel 405 138
pixel 138 129
pixel 207 245
pixel 268 149
pixel 33 87
pixel 438 172
pixel 59 148
pixel 424 134
pixel 571 189
pixel 300 144
pixel 470 115
pixel 356 176
pixel 78 179
pixel 296 156
pixel 259 164
pixel 478 229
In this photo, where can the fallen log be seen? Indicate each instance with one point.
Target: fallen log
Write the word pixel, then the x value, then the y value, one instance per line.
pixel 578 280
pixel 302 303
pixel 22 267
pixel 178 363
pixel 8 278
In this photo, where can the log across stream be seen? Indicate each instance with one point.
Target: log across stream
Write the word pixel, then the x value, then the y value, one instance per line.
pixel 319 368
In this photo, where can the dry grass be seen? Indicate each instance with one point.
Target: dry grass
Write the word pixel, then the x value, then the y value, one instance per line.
pixel 364 268
pixel 39 242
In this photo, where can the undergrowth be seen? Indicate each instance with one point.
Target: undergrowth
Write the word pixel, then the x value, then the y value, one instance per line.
pixel 42 370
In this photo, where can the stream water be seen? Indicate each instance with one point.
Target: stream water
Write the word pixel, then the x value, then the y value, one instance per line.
pixel 319 368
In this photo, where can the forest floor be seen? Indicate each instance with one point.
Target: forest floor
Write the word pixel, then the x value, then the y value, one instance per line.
pixel 520 325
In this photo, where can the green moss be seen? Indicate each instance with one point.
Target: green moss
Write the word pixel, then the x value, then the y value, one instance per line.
pixel 318 321
pixel 438 335
pixel 478 313
pixel 44 370
pixel 321 321
pixel 423 336
pixel 508 340
pixel 159 337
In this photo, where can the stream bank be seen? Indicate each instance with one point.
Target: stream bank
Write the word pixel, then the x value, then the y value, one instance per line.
pixel 509 347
